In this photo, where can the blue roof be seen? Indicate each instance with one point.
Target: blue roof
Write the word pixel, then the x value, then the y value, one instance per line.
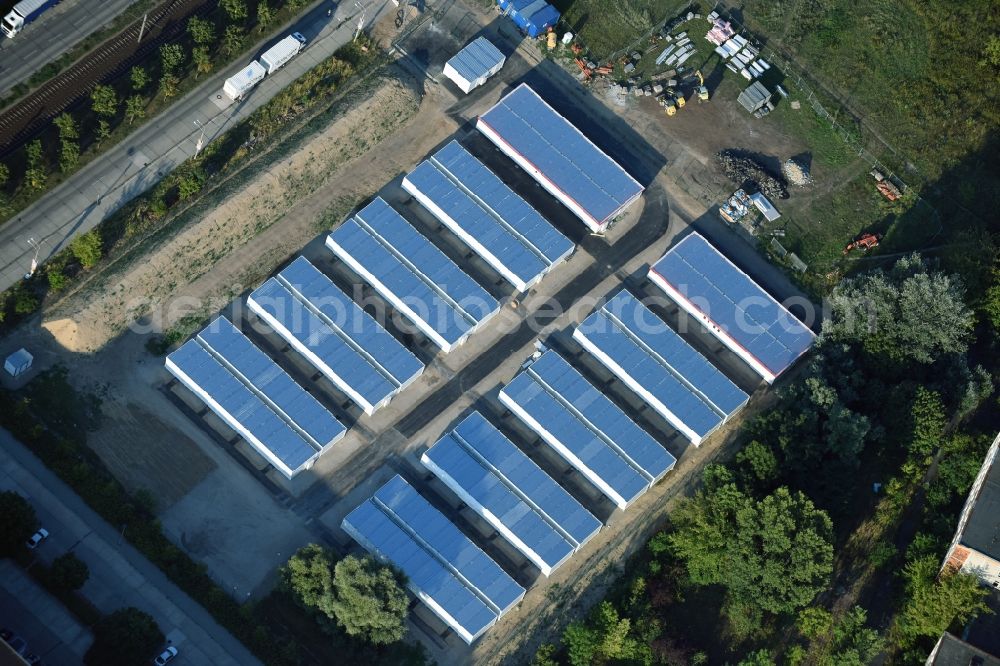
pixel 408 270
pixel 601 441
pixel 462 583
pixel 734 302
pixel 678 382
pixel 339 338
pixel 511 491
pixel 563 156
pixel 477 59
pixel 470 200
pixel 255 395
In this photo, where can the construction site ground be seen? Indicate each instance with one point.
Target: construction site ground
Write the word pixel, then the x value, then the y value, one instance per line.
pixel 216 498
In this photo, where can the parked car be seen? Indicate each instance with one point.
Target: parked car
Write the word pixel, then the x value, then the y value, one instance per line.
pixel 38 537
pixel 166 656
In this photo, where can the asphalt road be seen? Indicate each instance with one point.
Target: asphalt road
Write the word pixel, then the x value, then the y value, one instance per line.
pixel 53 34
pixel 119 575
pixel 156 148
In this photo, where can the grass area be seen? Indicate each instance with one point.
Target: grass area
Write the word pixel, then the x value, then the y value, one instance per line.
pixel 606 27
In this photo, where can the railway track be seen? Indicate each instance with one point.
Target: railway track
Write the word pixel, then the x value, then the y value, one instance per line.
pixel 25 118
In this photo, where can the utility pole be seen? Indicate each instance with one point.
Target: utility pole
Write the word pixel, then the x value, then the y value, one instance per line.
pixel 34 262
pixel 201 139
pixel 142 28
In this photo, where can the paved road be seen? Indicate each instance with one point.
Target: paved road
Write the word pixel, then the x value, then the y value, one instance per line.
pixel 156 148
pixel 56 32
pixel 51 631
pixel 119 575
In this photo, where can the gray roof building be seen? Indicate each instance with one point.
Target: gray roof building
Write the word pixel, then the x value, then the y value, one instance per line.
pixel 953 651
pixel 976 546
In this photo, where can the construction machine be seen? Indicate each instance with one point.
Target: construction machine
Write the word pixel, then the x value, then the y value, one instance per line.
pixel 701 89
pixel 679 98
pixel 885 186
pixel 863 242
pixel 667 102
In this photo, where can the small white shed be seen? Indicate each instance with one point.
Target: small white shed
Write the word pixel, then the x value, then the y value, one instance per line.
pixel 765 206
pixel 18 363
pixel 470 67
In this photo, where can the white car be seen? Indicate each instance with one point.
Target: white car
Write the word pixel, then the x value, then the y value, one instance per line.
pixel 38 537
pixel 166 656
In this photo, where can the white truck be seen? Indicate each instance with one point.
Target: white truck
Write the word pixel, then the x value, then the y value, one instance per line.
pixel 239 85
pixel 24 13
pixel 280 53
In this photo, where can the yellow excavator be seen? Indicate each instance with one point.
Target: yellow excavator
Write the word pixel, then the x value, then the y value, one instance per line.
pixel 701 89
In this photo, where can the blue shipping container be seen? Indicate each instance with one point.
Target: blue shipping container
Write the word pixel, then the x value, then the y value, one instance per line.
pixel 533 17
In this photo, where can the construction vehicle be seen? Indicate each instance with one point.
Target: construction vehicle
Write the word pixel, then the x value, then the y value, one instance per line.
pixel 701 89
pixel 587 71
pixel 679 99
pixel 667 102
pixel 551 44
pixel 885 186
pixel 864 242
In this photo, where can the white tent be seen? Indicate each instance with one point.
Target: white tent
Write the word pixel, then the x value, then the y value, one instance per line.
pixel 18 363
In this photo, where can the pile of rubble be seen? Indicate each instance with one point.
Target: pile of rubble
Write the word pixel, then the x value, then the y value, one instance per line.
pixel 744 171
pixel 795 173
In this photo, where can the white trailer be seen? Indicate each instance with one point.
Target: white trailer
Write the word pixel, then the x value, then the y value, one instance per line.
pixel 280 53
pixel 238 86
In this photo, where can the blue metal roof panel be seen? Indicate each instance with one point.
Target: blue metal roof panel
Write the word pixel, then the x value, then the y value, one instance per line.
pixel 327 322
pixel 603 414
pixel 476 59
pixel 737 305
pixel 242 405
pixel 662 363
pixel 490 212
pixel 426 574
pixel 266 376
pixel 665 343
pixel 566 157
pixel 414 270
pixel 525 500
pixel 450 545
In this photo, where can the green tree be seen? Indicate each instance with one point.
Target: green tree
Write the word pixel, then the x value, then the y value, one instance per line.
pixel 68 572
pixel 775 554
pixel 201 30
pixel 761 657
pixel 933 603
pixel 854 643
pixel 265 15
pixel 87 248
pixel 124 638
pixel 103 131
pixel 296 4
pixel 17 522
pixel 69 155
pixel 991 301
pixel 369 600
pixel 308 577
pixel 190 183
pixel 202 61
pixel 927 424
pixel 4 174
pixel 910 313
pixel 757 465
pixel 104 101
pixel 545 655
pixel 171 57
pixel 24 301
pixel 581 643
pixel 991 51
pixel 34 174
pixel 140 78
pixel 814 622
pixel 56 278
pixel 603 636
pixel 135 108
pixel 169 86
pixel 236 9
pixel 232 40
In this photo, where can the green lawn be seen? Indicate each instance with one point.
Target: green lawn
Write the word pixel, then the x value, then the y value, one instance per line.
pixel 605 27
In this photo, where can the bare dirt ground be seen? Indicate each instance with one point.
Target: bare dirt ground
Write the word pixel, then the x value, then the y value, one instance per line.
pixel 217 242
